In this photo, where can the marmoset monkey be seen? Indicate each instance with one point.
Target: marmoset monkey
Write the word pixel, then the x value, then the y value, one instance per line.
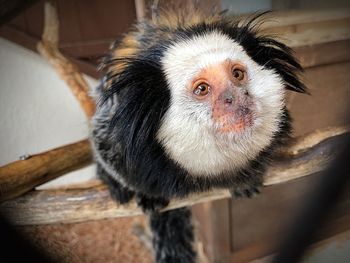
pixel 190 104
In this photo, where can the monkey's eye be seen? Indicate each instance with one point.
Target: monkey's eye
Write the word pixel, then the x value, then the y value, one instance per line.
pixel 201 89
pixel 238 74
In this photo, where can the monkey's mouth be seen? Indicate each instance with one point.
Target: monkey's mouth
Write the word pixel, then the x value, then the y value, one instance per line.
pixel 233 111
pixel 237 124
pixel 236 120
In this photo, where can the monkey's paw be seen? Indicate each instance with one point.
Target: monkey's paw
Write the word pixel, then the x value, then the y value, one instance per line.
pixel 245 191
pixel 117 191
pixel 150 204
pixel 121 194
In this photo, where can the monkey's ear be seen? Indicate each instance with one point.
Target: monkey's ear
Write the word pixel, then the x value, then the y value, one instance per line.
pixel 271 53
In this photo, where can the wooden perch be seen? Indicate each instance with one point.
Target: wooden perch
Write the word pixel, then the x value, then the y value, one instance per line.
pixel 77 205
pixel 22 176
pixel 48 48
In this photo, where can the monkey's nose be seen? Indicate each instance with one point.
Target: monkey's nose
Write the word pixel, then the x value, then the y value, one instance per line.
pixel 229 100
pixel 228 97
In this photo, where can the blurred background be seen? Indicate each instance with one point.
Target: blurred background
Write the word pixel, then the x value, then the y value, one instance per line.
pixel 40 113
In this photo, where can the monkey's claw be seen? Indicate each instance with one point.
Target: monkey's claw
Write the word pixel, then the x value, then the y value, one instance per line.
pixel 150 204
pixel 249 191
pixel 117 191
pixel 121 194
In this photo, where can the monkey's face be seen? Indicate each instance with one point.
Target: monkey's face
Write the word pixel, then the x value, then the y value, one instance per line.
pixel 224 107
pixel 224 88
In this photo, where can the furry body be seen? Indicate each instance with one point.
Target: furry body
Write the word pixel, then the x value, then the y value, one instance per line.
pixel 152 139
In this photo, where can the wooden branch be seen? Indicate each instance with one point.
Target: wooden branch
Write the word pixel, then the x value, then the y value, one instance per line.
pixel 140 10
pixel 77 205
pixel 22 176
pixel 314 158
pixel 69 72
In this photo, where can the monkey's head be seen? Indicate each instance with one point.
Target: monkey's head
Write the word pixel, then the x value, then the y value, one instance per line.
pixel 210 95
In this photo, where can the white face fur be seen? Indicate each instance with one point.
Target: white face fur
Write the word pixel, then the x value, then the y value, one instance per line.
pixel 188 132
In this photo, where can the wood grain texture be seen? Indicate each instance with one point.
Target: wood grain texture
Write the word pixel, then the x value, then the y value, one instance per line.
pixel 329 102
pixel 22 176
pixel 77 205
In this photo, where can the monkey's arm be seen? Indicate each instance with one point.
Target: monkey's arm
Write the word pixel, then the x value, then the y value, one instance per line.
pixel 149 203
pixel 123 194
pixel 118 192
pixel 249 180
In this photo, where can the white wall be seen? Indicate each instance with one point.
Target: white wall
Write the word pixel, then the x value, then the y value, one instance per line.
pixel 38 111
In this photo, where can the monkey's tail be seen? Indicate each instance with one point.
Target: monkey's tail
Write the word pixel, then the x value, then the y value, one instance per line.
pixel 173 236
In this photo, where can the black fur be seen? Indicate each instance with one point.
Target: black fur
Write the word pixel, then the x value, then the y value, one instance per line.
pixel 118 192
pixel 167 241
pixel 124 132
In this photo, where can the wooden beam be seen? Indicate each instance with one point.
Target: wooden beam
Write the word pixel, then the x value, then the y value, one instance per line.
pixel 78 205
pixel 11 8
pixel 20 37
pixel 290 18
pixel 30 42
pixel 22 176
pixel 323 53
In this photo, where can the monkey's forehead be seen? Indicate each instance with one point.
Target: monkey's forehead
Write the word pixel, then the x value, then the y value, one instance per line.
pixel 185 58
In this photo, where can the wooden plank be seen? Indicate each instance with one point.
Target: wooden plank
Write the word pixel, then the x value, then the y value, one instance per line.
pixel 314 36
pixel 324 53
pixel 89 48
pixel 214 227
pixel 293 17
pixel 68 18
pixel 328 104
pixel 18 37
pixel 312 28
pixel 262 249
pixel 107 19
pixel 264 221
pixel 35 19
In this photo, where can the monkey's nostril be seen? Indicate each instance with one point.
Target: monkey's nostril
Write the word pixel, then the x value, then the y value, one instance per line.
pixel 228 100
pixel 244 110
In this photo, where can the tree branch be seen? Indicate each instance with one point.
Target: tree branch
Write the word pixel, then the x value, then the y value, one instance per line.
pixel 69 72
pixel 22 176
pixel 77 205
